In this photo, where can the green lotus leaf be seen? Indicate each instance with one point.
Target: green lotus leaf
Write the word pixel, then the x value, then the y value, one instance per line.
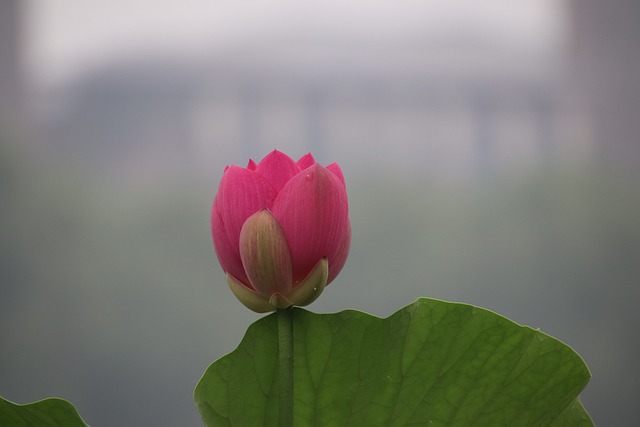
pixel 51 412
pixel 432 363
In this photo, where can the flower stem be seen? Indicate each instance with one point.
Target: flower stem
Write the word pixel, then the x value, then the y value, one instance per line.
pixel 285 365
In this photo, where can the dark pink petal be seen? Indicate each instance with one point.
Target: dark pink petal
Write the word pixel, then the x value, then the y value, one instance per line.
pixel 227 253
pixel 278 168
pixel 341 255
pixel 333 167
pixel 242 193
pixel 306 161
pixel 251 165
pixel 313 211
pixel 265 254
pixel 312 286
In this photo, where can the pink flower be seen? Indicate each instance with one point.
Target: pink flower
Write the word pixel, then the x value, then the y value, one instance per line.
pixel 281 230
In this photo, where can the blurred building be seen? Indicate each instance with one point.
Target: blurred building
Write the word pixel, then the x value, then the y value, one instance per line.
pixel 607 63
pixel 462 106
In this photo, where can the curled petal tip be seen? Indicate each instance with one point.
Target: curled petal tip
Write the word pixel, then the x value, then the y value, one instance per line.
pixel 312 286
pixel 306 161
pixel 277 168
pixel 333 167
pixel 252 300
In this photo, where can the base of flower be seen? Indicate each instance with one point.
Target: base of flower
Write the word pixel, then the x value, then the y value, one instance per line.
pixel 302 295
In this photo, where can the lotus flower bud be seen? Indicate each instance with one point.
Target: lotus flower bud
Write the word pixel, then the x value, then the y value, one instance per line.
pixel 281 230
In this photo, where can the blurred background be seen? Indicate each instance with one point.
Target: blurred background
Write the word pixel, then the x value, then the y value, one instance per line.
pixel 491 151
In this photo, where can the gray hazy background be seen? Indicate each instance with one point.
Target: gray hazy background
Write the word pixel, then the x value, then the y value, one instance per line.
pixel 491 152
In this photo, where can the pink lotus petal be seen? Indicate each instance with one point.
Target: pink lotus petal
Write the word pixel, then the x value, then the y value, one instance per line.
pixel 242 193
pixel 313 211
pixel 278 168
pixel 306 161
pixel 341 255
pixel 251 165
pixel 227 252
pixel 333 167
pixel 265 254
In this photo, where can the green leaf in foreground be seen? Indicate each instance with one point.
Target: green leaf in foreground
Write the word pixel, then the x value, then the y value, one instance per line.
pixel 433 363
pixel 51 412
